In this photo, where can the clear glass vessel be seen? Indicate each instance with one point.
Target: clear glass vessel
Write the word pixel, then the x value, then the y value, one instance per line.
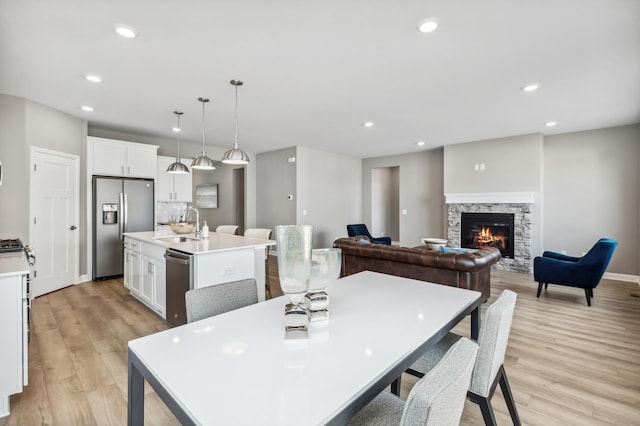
pixel 325 268
pixel 294 244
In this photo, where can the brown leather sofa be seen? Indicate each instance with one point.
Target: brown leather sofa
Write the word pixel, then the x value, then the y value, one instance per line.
pixel 465 270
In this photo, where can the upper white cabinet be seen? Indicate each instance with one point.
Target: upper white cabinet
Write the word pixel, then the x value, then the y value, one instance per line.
pixel 172 187
pixel 112 157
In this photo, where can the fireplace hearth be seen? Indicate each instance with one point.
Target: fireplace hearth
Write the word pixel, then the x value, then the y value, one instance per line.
pixel 479 230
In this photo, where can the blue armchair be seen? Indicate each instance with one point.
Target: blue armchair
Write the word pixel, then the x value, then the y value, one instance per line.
pixel 361 229
pixel 582 272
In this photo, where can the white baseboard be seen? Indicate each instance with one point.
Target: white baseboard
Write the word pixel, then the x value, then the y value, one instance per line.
pixel 83 279
pixel 621 277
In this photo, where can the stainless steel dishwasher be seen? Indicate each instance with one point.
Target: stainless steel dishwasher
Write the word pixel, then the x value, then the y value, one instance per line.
pixel 179 281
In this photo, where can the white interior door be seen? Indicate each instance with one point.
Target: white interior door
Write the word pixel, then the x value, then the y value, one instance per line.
pixel 54 219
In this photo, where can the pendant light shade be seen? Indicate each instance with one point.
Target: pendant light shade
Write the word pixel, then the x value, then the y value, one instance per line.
pixel 202 162
pixel 235 155
pixel 178 167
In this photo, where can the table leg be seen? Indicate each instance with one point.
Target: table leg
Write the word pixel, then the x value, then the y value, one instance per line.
pixel 135 399
pixel 475 323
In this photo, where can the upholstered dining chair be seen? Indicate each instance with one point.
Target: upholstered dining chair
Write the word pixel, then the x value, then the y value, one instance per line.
pixel 361 229
pixel 436 399
pixel 489 367
pixel 582 272
pixel 217 299
pixel 227 229
pixel 265 234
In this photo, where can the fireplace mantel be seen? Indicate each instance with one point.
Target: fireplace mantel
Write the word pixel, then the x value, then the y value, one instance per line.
pixel 490 198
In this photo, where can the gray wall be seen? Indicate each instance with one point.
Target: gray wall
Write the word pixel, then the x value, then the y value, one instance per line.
pixel 329 193
pixel 512 164
pixel 24 124
pixel 225 214
pixel 421 183
pixel 14 154
pixel 591 187
pixel 275 180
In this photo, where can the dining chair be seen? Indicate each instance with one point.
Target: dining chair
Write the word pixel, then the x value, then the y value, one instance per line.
pixel 489 368
pixel 265 234
pixel 217 299
pixel 436 399
pixel 227 229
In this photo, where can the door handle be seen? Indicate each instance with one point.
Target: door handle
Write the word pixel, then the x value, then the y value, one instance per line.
pixel 73 227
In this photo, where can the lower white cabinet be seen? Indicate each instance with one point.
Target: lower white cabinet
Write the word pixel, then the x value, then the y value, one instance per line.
pixel 14 337
pixel 144 274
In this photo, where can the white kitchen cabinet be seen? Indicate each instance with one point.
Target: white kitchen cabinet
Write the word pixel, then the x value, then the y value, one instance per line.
pixel 136 273
pixel 148 279
pixel 112 157
pixel 160 295
pixel 172 187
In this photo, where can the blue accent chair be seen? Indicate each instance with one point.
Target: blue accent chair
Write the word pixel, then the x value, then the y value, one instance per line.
pixel 582 272
pixel 361 229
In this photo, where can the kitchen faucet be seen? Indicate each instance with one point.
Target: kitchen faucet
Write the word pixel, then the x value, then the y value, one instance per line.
pixel 197 219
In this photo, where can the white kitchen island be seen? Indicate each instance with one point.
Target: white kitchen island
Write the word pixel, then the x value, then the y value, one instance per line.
pixel 218 259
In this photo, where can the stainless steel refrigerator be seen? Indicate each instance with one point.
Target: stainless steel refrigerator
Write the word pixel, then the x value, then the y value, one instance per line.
pixel 119 205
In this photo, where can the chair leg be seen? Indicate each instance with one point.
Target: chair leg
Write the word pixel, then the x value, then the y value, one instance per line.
pixel 508 397
pixel 539 289
pixel 546 285
pixel 591 292
pixel 587 293
pixel 487 411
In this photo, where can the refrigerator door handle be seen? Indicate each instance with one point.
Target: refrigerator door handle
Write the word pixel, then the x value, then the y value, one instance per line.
pixel 126 213
pixel 121 213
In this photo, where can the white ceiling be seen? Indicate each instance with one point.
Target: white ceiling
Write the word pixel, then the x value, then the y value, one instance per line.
pixel 314 71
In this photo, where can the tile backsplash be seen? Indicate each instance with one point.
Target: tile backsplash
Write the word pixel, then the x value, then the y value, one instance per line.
pixel 169 212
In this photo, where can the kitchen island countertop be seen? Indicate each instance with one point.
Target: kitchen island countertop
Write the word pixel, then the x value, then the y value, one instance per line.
pixel 215 242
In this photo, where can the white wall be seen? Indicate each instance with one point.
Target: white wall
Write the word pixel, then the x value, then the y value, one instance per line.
pixel 275 181
pixel 591 187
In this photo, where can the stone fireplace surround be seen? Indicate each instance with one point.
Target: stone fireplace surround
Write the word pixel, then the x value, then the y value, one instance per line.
pixel 517 203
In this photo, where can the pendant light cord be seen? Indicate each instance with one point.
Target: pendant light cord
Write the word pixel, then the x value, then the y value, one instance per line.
pixel 203 101
pixel 236 142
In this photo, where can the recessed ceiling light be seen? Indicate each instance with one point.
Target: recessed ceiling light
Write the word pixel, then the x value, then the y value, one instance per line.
pixel 550 123
pixel 94 78
pixel 368 124
pixel 87 108
pixel 428 25
pixel 125 31
pixel 531 87
pixel 176 129
pixel 420 143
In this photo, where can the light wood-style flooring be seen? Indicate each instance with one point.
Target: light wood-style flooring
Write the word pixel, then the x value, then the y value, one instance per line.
pixel 567 363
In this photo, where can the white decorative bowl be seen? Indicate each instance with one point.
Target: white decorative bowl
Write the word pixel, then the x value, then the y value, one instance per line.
pixel 182 227
pixel 434 243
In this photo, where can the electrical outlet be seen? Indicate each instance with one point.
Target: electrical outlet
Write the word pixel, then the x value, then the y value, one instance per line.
pixel 481 166
pixel 476 167
pixel 228 270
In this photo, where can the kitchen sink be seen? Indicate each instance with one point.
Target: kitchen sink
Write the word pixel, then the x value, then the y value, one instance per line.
pixel 177 239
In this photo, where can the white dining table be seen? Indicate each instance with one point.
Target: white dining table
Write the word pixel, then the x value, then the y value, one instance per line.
pixel 238 369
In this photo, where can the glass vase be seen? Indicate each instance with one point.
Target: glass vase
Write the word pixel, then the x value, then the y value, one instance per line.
pixel 325 269
pixel 294 244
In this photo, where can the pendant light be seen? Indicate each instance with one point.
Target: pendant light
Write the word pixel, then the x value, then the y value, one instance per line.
pixel 178 167
pixel 202 162
pixel 235 155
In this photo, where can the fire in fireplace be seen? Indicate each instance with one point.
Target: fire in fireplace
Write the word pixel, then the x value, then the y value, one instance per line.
pixel 480 230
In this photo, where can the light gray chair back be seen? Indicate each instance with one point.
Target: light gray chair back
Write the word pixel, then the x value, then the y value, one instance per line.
pixel 494 334
pixel 227 229
pixel 438 398
pixel 263 233
pixel 220 298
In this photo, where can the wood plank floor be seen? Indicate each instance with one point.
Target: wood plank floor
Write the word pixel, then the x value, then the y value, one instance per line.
pixel 567 363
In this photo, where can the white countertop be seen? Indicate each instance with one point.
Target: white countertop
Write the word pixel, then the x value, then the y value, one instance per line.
pixel 13 264
pixel 215 242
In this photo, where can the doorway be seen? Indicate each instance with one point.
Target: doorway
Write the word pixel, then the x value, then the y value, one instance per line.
pixel 54 218
pixel 385 202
